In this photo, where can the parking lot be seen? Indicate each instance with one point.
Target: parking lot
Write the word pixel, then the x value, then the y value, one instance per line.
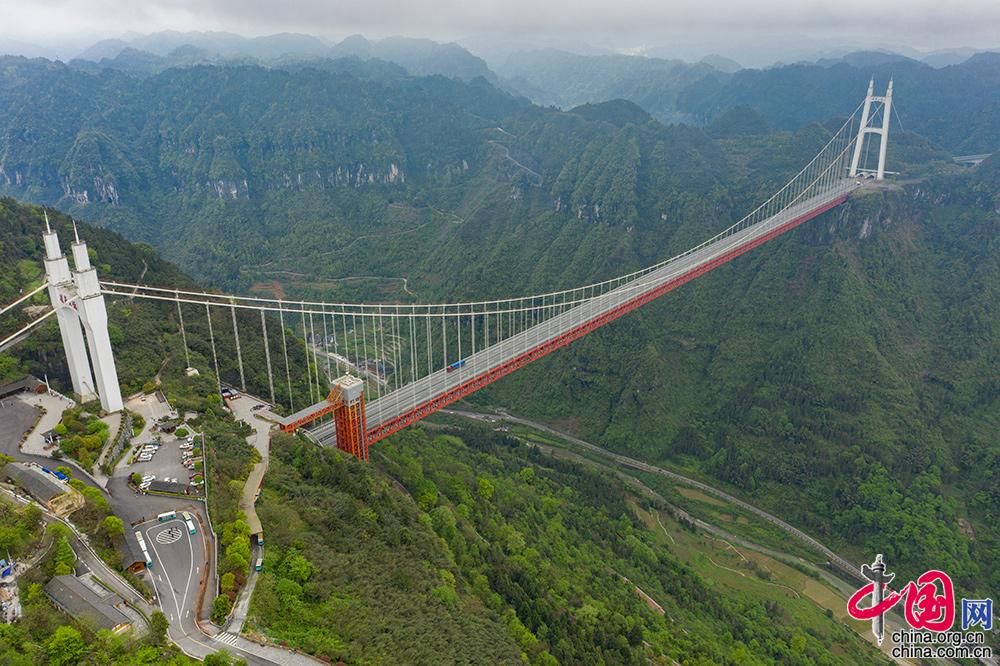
pixel 178 558
pixel 167 461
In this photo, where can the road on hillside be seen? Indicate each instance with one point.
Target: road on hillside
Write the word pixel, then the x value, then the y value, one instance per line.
pixel 833 558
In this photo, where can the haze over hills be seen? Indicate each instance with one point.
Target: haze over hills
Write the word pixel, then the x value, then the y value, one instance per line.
pixel 170 48
pixel 670 90
pixel 565 80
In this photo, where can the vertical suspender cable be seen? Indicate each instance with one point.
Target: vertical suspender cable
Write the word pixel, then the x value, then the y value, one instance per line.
pixel 180 317
pixel 354 331
pixel 215 356
pixel 364 348
pixel 430 357
pixel 326 343
pixel 413 348
pixel 336 345
pixel 383 371
pixel 444 337
pixel 239 352
pixel 305 347
pixel 284 347
pixel 267 355
pixel 347 342
pixel 312 333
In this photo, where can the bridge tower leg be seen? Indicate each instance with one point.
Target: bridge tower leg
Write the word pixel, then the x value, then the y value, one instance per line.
pixel 61 293
pixel 94 316
pixel 865 129
pixel 349 417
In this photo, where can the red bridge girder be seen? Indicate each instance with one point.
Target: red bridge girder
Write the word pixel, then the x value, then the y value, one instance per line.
pixel 423 410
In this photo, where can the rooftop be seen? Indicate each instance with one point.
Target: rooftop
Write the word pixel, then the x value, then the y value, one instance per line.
pixel 40 485
pixel 79 601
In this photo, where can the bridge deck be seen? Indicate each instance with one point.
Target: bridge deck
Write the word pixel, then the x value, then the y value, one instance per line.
pixel 414 401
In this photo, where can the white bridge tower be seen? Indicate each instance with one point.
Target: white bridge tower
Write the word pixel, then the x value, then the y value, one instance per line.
pixel 80 308
pixel 866 128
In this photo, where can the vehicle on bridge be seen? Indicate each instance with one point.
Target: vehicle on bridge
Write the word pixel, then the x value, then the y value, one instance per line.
pixel 456 365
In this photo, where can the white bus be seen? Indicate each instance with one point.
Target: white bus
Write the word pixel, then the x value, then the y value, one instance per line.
pixel 189 523
pixel 164 517
pixel 145 553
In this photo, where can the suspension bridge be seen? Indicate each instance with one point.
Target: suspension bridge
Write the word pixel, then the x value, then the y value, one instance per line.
pixel 375 368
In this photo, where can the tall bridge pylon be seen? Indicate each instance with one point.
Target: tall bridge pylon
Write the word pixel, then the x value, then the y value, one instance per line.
pixel 80 310
pixel 883 104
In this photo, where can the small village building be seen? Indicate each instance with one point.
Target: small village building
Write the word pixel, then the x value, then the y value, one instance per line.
pixel 78 600
pixel 43 486
pixel 29 384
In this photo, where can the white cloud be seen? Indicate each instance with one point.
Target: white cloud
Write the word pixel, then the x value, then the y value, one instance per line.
pixel 925 24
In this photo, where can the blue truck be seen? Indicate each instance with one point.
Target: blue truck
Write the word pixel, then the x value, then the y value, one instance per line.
pixel 456 365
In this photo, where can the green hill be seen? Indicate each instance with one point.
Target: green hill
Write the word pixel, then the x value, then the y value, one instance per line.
pixel 478 549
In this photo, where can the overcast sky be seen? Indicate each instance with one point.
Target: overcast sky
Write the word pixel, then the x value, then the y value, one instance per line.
pixel 680 25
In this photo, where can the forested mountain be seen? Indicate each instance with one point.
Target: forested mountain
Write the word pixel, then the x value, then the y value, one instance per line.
pixel 480 549
pixel 443 549
pixel 955 106
pixel 843 376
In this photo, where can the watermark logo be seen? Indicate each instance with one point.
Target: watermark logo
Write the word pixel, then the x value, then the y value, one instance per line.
pixel 977 613
pixel 929 610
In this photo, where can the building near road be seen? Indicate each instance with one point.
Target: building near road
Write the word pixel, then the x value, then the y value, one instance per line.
pixel 73 597
pixel 168 425
pixel 173 487
pixel 133 557
pixel 29 384
pixel 58 497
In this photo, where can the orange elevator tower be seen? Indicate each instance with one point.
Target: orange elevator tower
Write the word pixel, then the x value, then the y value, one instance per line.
pixel 349 416
pixel 346 402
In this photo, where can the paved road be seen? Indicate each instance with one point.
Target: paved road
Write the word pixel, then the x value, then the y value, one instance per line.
pixel 242 606
pixel 54 405
pixel 243 409
pixel 405 400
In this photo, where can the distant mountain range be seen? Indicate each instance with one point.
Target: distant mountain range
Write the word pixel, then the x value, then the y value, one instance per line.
pixel 670 90
pixel 151 53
